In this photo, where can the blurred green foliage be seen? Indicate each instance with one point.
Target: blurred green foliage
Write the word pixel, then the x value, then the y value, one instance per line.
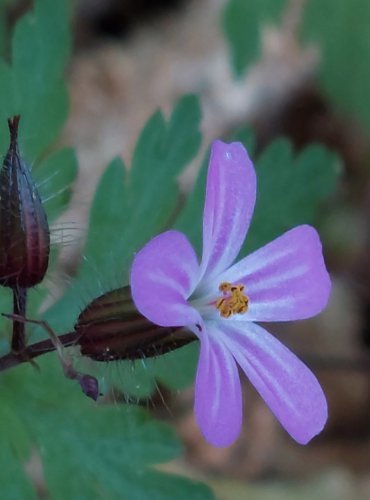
pixel 339 29
pixel 242 22
pixel 129 209
pixel 290 188
pixel 32 84
pixel 84 450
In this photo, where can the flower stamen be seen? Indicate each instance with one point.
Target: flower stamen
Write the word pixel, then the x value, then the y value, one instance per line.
pixel 234 300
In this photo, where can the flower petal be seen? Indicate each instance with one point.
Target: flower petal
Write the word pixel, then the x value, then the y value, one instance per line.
pixel 218 400
pixel 288 387
pixel 284 280
pixel 230 199
pixel 163 275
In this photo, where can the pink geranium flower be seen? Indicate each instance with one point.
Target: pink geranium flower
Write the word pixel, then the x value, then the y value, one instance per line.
pixel 221 301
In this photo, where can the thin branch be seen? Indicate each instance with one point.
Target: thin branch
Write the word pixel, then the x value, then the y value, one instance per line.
pixel 34 350
pixel 334 363
pixel 19 308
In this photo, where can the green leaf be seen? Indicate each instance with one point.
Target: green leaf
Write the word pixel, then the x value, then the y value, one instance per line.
pixel 160 156
pixel 182 362
pixel 14 483
pixel 87 450
pixel 15 450
pixel 103 250
pixel 128 212
pixel 340 28
pixel 14 433
pixel 138 380
pixel 242 22
pixel 290 189
pixel 245 135
pixel 190 219
pixel 54 178
pixel 127 209
pixel 3 27
pixel 32 85
pixel 108 216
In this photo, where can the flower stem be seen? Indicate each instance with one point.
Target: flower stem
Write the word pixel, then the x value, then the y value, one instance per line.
pixel 19 309
pixel 34 350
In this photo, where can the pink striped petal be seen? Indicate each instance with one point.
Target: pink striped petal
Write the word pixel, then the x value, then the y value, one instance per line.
pixel 163 275
pixel 230 199
pixel 218 400
pixel 288 387
pixel 284 280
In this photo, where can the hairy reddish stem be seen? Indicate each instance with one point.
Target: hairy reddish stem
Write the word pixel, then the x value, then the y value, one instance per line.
pixel 19 309
pixel 34 350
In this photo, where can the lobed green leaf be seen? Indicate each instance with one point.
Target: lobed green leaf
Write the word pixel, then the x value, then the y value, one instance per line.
pixel 86 450
pixel 290 189
pixel 130 208
pixel 32 84
pixel 54 177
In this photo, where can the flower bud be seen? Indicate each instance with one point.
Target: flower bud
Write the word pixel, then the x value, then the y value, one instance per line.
pixel 111 328
pixel 24 230
pixel 89 385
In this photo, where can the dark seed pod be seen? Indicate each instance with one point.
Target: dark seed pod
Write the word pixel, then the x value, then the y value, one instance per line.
pixel 24 230
pixel 111 328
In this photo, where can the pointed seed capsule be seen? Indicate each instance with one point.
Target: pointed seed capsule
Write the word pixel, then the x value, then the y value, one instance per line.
pixel 24 229
pixel 111 328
